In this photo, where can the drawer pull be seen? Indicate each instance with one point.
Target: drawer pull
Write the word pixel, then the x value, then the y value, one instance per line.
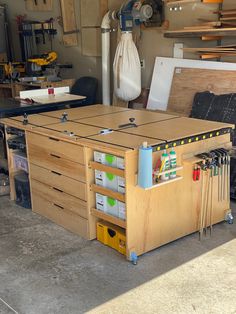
pixel 54 139
pixel 58 190
pixel 56 156
pixel 57 173
pixel 61 207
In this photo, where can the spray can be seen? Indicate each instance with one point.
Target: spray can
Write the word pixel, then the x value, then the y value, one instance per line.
pixel 166 161
pixel 173 163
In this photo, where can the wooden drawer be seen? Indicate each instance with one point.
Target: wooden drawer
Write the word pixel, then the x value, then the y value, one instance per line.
pixel 60 216
pixel 56 147
pixel 52 161
pixel 57 180
pixel 62 199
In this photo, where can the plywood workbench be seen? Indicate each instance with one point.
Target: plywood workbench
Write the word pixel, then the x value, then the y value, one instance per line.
pixel 61 170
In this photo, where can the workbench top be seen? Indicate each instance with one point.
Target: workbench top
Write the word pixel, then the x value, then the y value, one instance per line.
pixel 11 107
pixel 87 125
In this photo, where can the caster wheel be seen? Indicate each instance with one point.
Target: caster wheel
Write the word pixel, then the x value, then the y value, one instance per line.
pixel 134 258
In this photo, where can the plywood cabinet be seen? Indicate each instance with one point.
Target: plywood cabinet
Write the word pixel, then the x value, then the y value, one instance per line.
pixel 62 172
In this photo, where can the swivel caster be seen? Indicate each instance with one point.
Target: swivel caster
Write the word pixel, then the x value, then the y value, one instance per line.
pixel 134 258
pixel 229 218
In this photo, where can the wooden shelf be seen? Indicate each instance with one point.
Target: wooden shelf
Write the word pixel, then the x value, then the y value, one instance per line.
pixel 97 166
pixel 168 171
pixel 112 219
pixel 164 183
pixel 170 3
pixel 192 160
pixel 182 33
pixel 101 190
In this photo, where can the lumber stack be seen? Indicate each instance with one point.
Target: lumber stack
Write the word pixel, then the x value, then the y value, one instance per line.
pixel 227 16
pixel 181 2
pixel 213 52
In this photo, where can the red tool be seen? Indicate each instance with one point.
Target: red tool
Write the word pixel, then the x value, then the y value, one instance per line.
pixel 195 173
pixel 198 173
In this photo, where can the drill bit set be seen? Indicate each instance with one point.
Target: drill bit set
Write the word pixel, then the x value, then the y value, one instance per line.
pixel 215 163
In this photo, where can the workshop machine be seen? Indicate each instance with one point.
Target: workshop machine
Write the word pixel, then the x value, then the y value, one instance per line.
pixel 44 65
pixel 36 64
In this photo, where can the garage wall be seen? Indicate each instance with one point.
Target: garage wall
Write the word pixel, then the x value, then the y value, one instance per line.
pixel 151 44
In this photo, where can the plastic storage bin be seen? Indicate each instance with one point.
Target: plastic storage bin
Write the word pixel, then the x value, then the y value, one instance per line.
pixel 20 161
pixel 111 206
pixel 109 160
pixel 110 181
pixel 112 236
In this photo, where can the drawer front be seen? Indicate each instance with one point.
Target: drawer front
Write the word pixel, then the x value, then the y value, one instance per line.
pixel 57 180
pixel 56 147
pixel 42 157
pixel 60 198
pixel 60 216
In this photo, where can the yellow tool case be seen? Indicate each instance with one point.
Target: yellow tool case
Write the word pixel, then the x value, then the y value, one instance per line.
pixel 112 236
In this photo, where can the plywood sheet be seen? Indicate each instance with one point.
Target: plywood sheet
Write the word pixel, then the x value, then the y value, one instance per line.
pixel 85 112
pixel 187 82
pixel 41 5
pixel 70 40
pixel 77 128
pixel 114 120
pixel 53 99
pixel 92 12
pixel 163 74
pixel 91 41
pixel 36 120
pixel 176 129
pixel 124 140
pixel 69 23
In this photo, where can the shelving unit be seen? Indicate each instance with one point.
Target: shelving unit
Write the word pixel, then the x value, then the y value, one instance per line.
pixel 101 190
pixel 200 33
pixel 171 3
pixel 162 182
pixel 97 166
pixel 112 219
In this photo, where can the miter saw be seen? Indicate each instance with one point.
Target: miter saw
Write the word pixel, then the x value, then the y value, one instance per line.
pixel 37 64
pixel 45 66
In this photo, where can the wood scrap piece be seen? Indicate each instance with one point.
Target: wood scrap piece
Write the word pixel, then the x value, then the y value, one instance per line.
pixel 92 12
pixel 200 33
pixel 211 38
pixel 232 18
pixel 70 29
pixel 208 56
pixel 91 41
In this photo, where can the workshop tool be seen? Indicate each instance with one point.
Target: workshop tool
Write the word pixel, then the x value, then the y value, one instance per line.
pixel 195 171
pixel 219 167
pixel 64 117
pixel 208 167
pixel 203 195
pixel 227 173
pixel 131 124
pixel 25 120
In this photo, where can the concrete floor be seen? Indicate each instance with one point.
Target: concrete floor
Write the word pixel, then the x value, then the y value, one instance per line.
pixel 45 270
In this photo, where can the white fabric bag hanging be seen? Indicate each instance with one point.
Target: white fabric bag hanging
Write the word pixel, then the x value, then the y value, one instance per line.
pixel 127 69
